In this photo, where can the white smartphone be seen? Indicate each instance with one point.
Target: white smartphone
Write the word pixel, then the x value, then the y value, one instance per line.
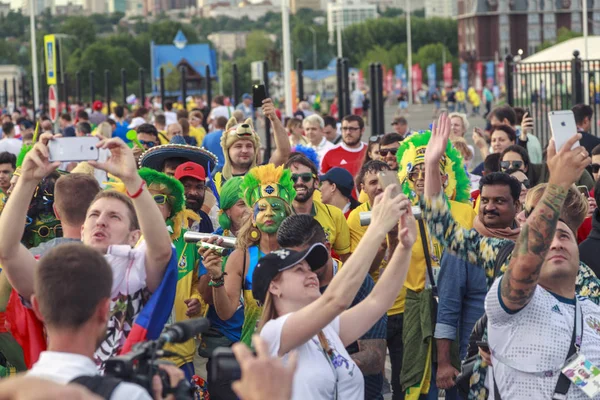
pixel 563 127
pixel 68 149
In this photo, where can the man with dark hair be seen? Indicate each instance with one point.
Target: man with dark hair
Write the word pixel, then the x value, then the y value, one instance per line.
pixel 588 249
pixel 77 327
pixel 83 116
pixel 160 123
pixel 8 142
pixel 306 180
pixel 121 123
pixel 147 135
pixel 388 146
pixel 400 125
pixel 170 115
pixel 351 152
pixel 73 195
pixel 111 227
pixel 595 167
pixel 83 129
pixel 8 164
pixel 584 115
pixel 299 232
pixel 330 130
pixel 212 141
pixel 462 285
pixel 66 125
pixel 506 115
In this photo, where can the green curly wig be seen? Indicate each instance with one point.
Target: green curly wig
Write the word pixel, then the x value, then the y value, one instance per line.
pixel 412 151
pixel 230 194
pixel 267 181
pixel 24 150
pixel 175 188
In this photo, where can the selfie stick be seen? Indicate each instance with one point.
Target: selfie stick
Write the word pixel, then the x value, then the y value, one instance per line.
pixel 132 135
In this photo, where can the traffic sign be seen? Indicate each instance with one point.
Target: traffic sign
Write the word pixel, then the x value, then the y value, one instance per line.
pixel 51 59
pixel 53 102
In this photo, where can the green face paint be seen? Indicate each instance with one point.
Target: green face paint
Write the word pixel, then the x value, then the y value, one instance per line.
pixel 269 213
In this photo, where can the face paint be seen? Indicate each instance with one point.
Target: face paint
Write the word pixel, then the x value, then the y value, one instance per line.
pixel 269 213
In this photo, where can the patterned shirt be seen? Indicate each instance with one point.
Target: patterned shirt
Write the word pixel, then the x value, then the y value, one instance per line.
pixel 479 250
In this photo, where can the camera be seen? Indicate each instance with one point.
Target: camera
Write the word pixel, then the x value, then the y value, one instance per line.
pixel 142 363
pixel 365 216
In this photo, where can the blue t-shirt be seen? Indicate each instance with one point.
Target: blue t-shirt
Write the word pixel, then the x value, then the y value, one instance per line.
pixel 212 143
pixel 69 131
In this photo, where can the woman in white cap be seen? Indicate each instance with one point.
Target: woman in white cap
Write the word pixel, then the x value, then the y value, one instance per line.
pixel 319 327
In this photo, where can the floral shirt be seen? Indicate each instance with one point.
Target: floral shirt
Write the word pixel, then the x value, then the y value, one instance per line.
pixel 480 250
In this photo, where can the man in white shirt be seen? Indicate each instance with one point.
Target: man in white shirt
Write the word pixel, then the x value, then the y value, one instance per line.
pixel 113 226
pixel 170 115
pixel 313 129
pixel 8 142
pixel 78 325
pixel 358 99
pixel 219 109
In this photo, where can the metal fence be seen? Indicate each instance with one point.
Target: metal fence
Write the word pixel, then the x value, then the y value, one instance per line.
pixel 541 87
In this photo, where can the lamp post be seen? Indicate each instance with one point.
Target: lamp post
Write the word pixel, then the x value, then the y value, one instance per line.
pixel 409 53
pixel 287 57
pixel 314 33
pixel 34 64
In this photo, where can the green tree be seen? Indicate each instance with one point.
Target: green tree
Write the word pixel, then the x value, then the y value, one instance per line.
pixel 163 32
pixel 562 35
pixel 9 53
pixel 172 77
pixel 434 54
pixel 82 32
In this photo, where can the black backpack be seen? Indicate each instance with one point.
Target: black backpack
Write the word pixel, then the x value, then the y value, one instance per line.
pixel 103 386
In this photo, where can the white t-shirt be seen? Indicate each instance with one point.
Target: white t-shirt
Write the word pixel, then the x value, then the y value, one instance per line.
pixel 221 111
pixel 314 378
pixel 323 148
pixel 537 339
pixel 11 145
pixel 170 118
pixel 64 367
pixel 128 296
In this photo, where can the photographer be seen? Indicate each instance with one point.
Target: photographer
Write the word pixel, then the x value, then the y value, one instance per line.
pixel 76 321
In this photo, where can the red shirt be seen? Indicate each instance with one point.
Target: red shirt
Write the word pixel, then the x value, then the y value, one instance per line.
pixel 344 157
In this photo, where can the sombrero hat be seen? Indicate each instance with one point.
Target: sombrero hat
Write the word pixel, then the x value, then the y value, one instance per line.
pixel 155 156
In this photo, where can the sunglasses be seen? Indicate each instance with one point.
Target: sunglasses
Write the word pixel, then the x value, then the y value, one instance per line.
pixel 595 168
pixel 160 198
pixel 415 175
pixel 149 144
pixel 385 152
pixel 526 183
pixel 306 177
pixel 44 231
pixel 506 165
pixel 374 139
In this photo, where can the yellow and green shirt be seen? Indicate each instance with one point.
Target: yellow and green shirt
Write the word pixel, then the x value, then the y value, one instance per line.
pixel 334 224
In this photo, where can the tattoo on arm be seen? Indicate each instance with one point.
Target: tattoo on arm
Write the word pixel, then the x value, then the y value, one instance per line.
pixel 521 277
pixel 371 356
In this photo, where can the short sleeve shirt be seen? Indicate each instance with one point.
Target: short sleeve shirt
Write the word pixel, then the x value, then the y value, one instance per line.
pixel 314 378
pixel 536 339
pixel 335 226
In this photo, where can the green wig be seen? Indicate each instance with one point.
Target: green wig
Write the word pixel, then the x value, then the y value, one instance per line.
pixel 172 185
pixel 230 194
pixel 267 181
pixel 412 152
pixel 24 150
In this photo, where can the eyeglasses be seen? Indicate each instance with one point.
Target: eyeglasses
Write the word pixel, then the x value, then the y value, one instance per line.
pixel 306 177
pixel 44 231
pixel 350 128
pixel 506 165
pixel 160 198
pixel 595 168
pixel 385 152
pixel 149 144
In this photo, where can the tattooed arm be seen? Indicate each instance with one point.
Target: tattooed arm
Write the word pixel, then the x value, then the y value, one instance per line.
pixel 523 272
pixel 371 356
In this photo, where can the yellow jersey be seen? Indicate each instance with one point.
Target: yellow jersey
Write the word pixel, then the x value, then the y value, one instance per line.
pixel 334 224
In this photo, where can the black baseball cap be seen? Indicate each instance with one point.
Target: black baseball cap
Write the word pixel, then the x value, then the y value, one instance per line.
pixel 279 260
pixel 342 179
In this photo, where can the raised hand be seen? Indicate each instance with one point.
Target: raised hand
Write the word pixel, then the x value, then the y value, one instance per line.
pixel 388 209
pixel 36 164
pixel 212 262
pixel 567 165
pixel 121 162
pixel 268 109
pixel 439 140
pixel 407 228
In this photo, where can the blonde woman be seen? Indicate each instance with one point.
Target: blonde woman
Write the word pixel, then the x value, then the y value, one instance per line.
pixel 104 130
pixel 319 327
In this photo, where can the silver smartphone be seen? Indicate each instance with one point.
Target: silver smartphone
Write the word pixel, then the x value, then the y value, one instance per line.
pixel 563 127
pixel 74 149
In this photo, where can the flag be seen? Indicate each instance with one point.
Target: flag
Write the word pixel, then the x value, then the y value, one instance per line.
pixel 151 320
pixel 431 77
pixel 448 74
pixel 464 76
pixel 27 330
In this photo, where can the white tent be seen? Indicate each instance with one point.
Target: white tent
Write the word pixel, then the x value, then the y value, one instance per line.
pixel 564 51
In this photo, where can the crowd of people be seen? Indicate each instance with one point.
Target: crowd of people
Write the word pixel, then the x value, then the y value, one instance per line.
pixel 466 277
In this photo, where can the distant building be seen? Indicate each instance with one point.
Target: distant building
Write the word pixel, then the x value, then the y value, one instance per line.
pixel 117 6
pixel 440 8
pixel 40 6
pixel 228 42
pixel 490 29
pixel 4 8
pixel 348 13
pixel 244 9
pixel 69 9
pixel 136 8
pixel 296 5
pixel 96 6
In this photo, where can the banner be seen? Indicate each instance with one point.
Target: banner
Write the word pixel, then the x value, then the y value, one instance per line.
pixel 448 74
pixel 463 72
pixel 431 78
pixel 490 74
pixel 294 84
pixel 417 78
pixel 50 59
pixel 389 81
pixel 479 76
pixel 400 76
pixel 500 73
pixel 361 80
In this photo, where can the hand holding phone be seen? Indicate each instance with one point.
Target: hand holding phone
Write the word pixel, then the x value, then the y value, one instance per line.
pixel 387 178
pixel 584 191
pixel 73 149
pixel 563 127
pixel 259 93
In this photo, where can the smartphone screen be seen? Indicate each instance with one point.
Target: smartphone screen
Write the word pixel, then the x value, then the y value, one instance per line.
pixel 259 93
pixel 71 149
pixel 584 191
pixel 387 178
pixel 563 127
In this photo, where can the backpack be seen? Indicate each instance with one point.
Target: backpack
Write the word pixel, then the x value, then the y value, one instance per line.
pixel 103 386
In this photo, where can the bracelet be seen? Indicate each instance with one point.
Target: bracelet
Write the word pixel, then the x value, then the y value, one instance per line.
pixel 139 191
pixel 220 281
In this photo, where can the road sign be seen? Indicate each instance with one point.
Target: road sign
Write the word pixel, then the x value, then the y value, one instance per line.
pixel 51 62
pixel 53 102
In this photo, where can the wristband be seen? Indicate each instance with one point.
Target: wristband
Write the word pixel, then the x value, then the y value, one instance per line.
pixel 139 191
pixel 220 281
